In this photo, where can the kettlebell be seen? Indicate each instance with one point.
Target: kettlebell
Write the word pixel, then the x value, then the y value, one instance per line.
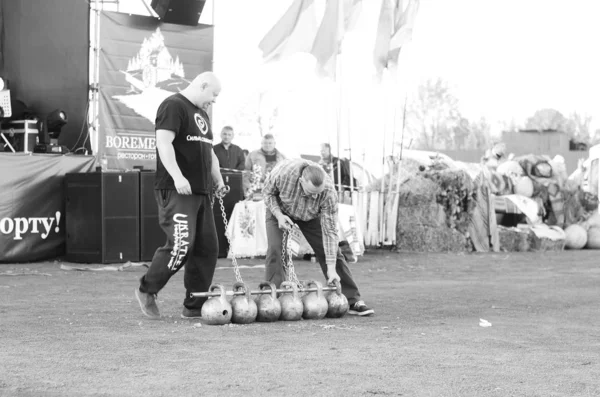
pixel 216 310
pixel 338 303
pixel 269 308
pixel 315 303
pixel 291 303
pixel 243 306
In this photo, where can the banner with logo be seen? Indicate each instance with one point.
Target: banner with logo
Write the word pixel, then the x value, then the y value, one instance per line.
pixel 32 206
pixel 142 62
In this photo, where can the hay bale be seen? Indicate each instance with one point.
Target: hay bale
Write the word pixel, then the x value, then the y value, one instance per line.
pixel 543 244
pixel 417 191
pixel 457 195
pixel 513 239
pixel 427 214
pixel 422 222
pixel 419 238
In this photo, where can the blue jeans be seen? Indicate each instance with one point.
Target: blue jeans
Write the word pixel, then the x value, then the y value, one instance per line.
pixel 311 230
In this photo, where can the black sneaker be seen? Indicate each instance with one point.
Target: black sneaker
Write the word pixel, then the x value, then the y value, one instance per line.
pixel 147 304
pixel 360 309
pixel 191 313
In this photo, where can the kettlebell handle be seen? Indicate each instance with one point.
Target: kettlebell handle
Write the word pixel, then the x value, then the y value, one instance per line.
pixel 291 285
pixel 318 286
pixel 241 286
pixel 338 286
pixel 271 286
pixel 220 287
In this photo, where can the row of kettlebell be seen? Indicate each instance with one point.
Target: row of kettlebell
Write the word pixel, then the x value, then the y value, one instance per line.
pixel 267 307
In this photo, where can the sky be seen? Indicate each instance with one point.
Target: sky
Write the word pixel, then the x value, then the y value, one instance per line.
pixel 503 59
pixel 506 59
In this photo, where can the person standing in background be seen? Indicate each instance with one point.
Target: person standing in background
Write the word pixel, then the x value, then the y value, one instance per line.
pixel 230 156
pixel 330 164
pixel 266 157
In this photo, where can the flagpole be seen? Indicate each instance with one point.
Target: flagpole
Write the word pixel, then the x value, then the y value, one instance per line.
pixel 350 160
pixel 390 189
pixel 350 171
pixel 339 86
pixel 403 125
pixel 382 190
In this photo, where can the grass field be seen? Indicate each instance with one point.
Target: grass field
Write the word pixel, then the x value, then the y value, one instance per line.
pixel 70 333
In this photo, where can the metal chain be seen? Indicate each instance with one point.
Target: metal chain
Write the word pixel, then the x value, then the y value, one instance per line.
pixel 288 264
pixel 236 269
pixel 286 251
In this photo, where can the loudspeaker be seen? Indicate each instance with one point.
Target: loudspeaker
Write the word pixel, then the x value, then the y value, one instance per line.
pixel 181 12
pixel 151 234
pixel 235 195
pixel 102 217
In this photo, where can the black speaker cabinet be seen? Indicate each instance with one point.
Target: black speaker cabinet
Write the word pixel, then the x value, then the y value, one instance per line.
pixel 180 12
pixel 236 194
pixel 151 234
pixel 102 217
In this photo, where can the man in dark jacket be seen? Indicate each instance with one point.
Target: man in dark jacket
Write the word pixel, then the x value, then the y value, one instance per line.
pixel 230 156
pixel 330 164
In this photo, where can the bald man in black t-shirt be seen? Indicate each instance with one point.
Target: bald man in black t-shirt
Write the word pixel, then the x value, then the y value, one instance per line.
pixel 187 169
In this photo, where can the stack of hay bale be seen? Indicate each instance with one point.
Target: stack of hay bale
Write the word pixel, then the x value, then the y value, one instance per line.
pixel 432 214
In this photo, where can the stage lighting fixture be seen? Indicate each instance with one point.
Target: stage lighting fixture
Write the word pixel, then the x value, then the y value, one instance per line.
pixel 5 108
pixel 49 130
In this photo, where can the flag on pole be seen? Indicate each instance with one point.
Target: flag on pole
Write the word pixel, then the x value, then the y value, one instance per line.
pixel 385 29
pixel 352 10
pixel 340 17
pixel 329 38
pixel 294 32
pixel 394 30
pixel 405 21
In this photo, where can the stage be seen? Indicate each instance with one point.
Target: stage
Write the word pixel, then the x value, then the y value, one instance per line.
pixel 32 205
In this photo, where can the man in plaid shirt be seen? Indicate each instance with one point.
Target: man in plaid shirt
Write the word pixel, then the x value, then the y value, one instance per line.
pixel 300 192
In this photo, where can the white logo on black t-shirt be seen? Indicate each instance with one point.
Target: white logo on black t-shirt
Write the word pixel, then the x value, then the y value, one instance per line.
pixel 201 123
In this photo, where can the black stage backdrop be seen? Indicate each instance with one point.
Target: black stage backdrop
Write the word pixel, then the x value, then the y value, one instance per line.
pixel 142 62
pixel 32 205
pixel 46 56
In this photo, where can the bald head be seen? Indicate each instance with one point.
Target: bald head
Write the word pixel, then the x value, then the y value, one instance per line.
pixel 203 90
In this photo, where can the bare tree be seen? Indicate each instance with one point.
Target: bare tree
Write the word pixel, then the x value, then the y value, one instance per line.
pixel 578 127
pixel 461 132
pixel 479 135
pixel 433 114
pixel 511 125
pixel 547 119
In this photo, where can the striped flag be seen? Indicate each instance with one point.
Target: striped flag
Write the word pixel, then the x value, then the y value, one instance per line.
pixel 294 32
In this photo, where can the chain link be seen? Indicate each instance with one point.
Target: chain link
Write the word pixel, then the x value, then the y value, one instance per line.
pixel 236 269
pixel 286 260
pixel 286 252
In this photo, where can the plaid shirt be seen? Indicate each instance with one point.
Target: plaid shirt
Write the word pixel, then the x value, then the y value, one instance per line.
pixel 284 194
